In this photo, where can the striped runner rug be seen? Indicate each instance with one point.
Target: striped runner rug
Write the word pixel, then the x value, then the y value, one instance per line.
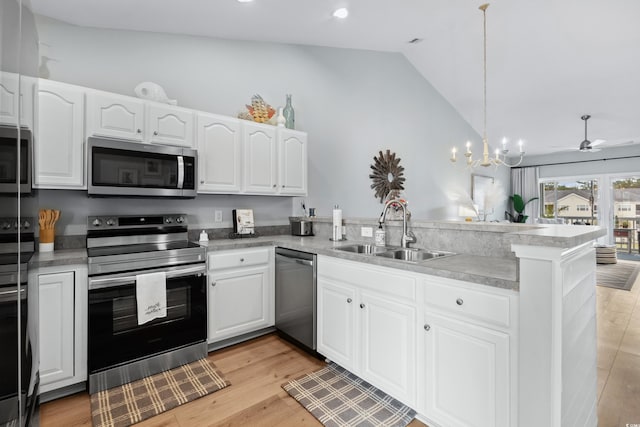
pixel 336 397
pixel 620 276
pixel 138 400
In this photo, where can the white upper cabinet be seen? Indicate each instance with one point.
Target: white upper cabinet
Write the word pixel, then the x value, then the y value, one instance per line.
pixel 59 158
pixel 116 116
pixel 260 161
pixel 13 100
pixel 219 154
pixel 292 153
pixel 171 125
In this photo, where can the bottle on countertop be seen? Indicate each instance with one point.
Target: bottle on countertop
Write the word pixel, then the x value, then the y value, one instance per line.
pixel 380 236
pixel 204 237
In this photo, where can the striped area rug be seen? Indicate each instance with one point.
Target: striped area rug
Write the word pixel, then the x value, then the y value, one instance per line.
pixel 620 276
pixel 336 397
pixel 136 401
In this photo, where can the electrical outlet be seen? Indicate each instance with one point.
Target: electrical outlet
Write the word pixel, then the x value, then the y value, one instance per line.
pixel 218 216
pixel 366 231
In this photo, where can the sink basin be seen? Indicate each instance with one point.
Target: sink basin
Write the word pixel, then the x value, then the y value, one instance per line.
pixel 363 249
pixel 413 255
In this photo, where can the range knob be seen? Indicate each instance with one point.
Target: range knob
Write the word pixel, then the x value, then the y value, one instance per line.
pixel 180 220
pixel 168 220
pixel 97 222
pixel 6 226
pixel 26 225
pixel 111 222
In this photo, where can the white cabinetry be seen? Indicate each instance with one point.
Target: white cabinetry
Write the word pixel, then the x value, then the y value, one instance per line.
pixel 292 157
pixel 467 355
pixel 275 160
pixel 59 160
pixel 116 116
pixel 16 95
pixel 241 292
pixel 219 154
pixel 167 124
pixel 126 117
pixel 365 327
pixel 260 161
pixel 63 326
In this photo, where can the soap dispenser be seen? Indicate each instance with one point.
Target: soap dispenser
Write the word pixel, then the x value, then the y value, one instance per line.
pixel 380 236
pixel 204 237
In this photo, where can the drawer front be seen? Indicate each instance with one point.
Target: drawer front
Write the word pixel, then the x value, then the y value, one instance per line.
pixel 238 258
pixel 456 299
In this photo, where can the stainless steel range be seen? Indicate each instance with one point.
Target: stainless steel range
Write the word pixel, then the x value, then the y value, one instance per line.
pixel 18 325
pixel 122 251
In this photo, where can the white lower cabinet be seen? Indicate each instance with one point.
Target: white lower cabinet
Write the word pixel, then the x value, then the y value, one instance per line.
pixel 241 292
pixel 62 297
pixel 367 328
pixel 467 373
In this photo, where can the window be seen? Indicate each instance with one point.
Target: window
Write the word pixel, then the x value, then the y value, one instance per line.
pixel 582 208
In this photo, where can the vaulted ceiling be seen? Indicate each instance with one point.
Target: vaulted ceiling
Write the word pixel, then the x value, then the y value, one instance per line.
pixel 548 62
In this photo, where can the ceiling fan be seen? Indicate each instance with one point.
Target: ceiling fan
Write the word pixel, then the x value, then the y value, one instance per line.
pixel 587 146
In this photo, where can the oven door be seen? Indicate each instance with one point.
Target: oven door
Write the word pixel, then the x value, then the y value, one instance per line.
pixel 115 338
pixel 122 168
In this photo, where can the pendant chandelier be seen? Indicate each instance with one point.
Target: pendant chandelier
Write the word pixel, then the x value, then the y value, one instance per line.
pixel 500 157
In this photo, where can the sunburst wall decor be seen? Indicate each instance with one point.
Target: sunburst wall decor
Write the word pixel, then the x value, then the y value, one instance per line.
pixel 387 174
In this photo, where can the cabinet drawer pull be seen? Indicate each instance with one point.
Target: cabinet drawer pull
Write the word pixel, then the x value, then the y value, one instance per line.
pixel 139 130
pixel 459 301
pixel 274 186
pixel 155 132
pixel 361 305
pixel 349 300
pixel 427 327
pixel 213 284
pixel 241 259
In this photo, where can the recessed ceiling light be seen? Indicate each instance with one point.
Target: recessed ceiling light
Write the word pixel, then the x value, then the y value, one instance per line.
pixel 341 13
pixel 245 1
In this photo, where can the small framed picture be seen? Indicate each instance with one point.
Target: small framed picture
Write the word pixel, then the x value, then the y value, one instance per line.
pixel 152 167
pixel 127 176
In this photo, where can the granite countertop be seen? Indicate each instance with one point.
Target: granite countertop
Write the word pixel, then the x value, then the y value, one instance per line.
pixel 58 257
pixel 492 271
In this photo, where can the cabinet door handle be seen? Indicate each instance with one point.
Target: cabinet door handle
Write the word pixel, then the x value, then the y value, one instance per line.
pixel 459 301
pixel 427 327
pixel 274 186
pixel 361 305
pixel 241 259
pixel 155 132
pixel 349 300
pixel 213 284
pixel 282 185
pixel 202 182
pixel 139 131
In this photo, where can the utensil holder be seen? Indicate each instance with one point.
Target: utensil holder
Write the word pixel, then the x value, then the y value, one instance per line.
pixel 47 236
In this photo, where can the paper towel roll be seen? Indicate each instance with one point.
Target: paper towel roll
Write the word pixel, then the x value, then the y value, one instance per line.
pixel 337 224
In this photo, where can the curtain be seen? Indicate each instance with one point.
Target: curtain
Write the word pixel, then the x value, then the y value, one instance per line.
pixel 524 181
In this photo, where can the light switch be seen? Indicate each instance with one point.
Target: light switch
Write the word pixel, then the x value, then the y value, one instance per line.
pixel 218 216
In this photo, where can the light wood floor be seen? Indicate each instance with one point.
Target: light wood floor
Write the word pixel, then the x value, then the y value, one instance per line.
pixel 257 369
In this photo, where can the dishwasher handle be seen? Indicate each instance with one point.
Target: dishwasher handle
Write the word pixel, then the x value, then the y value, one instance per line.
pixel 296 260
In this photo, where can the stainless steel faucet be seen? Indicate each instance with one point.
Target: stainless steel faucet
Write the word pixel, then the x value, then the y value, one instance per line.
pixel 407 236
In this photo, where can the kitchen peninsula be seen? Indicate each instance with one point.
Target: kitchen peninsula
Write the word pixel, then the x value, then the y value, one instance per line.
pixel 461 336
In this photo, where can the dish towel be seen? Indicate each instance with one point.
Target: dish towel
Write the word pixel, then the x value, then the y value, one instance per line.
pixel 151 296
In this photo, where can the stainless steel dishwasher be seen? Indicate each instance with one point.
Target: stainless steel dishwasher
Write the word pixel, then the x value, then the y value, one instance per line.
pixel 296 296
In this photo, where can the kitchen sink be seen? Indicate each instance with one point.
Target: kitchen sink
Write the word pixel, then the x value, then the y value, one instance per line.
pixel 413 255
pixel 363 249
pixel 393 252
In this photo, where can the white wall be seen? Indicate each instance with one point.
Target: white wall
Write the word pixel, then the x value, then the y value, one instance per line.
pixel 353 103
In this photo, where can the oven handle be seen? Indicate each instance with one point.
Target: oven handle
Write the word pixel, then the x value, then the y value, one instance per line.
pixel 112 282
pixel 180 172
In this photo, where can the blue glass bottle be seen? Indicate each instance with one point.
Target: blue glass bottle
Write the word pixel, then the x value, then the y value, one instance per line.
pixel 289 114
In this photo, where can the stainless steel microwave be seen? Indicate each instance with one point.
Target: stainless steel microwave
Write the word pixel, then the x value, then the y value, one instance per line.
pixel 15 160
pixel 123 168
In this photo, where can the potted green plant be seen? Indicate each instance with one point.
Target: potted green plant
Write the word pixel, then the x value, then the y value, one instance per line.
pixel 518 206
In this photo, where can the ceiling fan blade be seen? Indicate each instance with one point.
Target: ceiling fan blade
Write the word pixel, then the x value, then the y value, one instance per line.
pixel 598 142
